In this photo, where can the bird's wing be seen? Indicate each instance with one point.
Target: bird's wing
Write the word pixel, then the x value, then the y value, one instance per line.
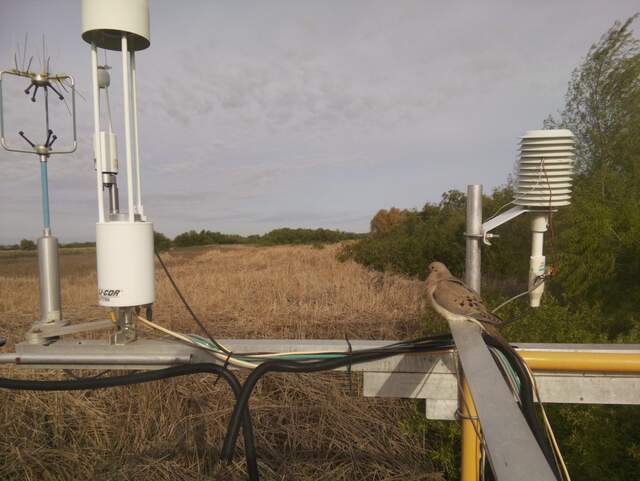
pixel 454 296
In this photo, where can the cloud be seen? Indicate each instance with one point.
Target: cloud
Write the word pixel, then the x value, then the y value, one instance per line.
pixel 280 113
pixel 294 90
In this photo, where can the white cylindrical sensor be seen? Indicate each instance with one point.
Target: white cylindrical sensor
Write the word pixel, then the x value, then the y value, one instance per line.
pixel 125 264
pixel 50 310
pixel 537 262
pixel 104 145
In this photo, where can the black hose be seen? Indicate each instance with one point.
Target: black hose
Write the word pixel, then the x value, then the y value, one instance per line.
pixel 308 367
pixel 147 376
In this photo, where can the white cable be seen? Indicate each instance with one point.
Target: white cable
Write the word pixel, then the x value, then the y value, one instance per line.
pixel 280 354
pixel 547 425
pixel 217 354
pixel 539 282
pixel 499 210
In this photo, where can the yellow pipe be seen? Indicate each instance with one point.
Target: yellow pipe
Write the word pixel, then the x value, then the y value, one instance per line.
pixel 470 440
pixel 543 361
pixel 582 361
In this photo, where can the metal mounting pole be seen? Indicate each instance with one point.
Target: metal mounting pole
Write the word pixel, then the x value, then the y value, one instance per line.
pixel 50 304
pixel 472 273
pixel 44 187
pixel 50 310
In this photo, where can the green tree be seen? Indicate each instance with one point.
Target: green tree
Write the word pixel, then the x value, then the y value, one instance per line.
pixel 27 245
pixel 161 242
pixel 599 233
pixel 594 243
pixel 287 235
pixel 205 237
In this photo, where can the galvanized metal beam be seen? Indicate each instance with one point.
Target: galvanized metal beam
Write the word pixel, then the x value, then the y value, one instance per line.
pixel 513 451
pixel 440 391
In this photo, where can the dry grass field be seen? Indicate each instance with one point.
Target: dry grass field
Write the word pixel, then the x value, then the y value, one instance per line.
pixel 308 427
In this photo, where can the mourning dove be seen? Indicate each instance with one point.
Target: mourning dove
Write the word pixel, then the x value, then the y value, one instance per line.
pixel 455 301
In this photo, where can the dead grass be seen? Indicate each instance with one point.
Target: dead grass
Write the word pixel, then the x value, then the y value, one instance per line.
pixel 308 427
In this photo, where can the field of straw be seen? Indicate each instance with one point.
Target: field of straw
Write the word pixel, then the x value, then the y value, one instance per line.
pixel 308 427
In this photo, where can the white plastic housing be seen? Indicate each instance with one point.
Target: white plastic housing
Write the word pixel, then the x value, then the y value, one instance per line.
pixel 537 261
pixel 545 168
pixel 105 148
pixel 104 21
pixel 125 264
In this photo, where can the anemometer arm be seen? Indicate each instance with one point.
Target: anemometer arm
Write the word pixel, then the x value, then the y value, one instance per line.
pixel 26 139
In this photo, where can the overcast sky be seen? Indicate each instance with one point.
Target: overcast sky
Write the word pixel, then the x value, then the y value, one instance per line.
pixel 258 115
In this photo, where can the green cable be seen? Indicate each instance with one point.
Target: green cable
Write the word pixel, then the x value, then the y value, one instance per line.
pixel 304 357
pixel 508 368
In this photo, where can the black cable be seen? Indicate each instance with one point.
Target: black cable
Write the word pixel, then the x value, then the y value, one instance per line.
pixel 528 406
pixel 394 345
pixel 428 344
pixel 308 367
pixel 186 304
pixel 349 373
pixel 147 376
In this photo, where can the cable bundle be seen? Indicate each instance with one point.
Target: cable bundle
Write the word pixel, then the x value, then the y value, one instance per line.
pixel 515 371
pixel 510 363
